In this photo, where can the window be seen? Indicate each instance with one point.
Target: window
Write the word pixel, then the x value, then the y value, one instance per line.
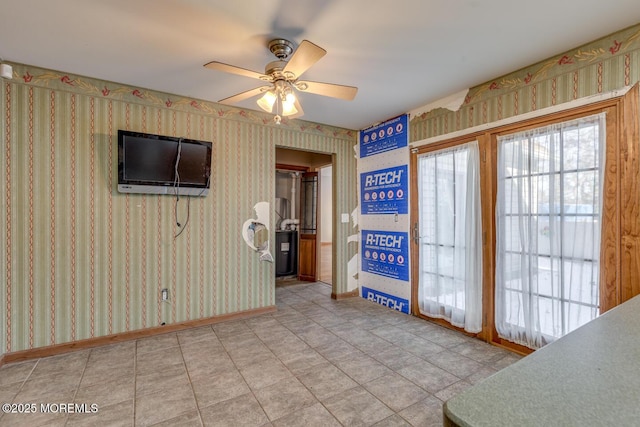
pixel 450 272
pixel 560 222
pixel 548 225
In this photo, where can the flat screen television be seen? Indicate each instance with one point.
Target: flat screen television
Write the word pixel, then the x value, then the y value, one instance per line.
pixel 158 164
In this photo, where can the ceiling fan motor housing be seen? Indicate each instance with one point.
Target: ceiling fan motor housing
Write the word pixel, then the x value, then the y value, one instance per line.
pixel 281 48
pixel 275 68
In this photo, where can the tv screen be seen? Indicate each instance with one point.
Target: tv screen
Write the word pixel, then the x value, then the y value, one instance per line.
pixel 148 163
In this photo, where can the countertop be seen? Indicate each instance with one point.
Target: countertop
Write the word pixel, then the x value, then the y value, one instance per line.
pixel 590 377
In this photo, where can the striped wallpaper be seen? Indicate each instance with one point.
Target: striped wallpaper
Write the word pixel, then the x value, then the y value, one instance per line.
pixel 604 65
pixel 82 260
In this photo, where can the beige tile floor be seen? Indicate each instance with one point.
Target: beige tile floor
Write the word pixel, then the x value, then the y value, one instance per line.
pixel 314 362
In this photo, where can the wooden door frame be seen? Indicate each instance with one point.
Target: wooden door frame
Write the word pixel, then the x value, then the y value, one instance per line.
pixel 305 169
pixel 415 217
pixel 302 170
pixel 620 244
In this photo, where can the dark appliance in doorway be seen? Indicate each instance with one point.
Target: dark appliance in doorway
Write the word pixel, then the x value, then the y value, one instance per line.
pixel 286 253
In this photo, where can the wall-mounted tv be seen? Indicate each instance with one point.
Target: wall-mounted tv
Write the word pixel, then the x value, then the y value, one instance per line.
pixel 158 164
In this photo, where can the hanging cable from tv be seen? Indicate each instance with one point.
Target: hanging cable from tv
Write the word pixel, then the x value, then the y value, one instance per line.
pixel 176 189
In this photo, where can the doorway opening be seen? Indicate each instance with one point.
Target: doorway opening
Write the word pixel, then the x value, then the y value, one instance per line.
pixel 303 210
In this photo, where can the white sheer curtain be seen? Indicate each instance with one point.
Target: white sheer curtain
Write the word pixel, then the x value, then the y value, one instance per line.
pixel 450 285
pixel 548 225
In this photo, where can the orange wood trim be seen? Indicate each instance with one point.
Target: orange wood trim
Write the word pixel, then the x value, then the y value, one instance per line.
pixel 39 352
pixel 488 159
pixel 511 346
pixel 292 167
pixel 630 196
pixel 610 235
pixel 557 117
pixel 353 293
pixel 445 324
pixel 491 185
pixel 2 361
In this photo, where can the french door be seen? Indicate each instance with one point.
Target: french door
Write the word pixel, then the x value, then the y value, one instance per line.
pixel 559 197
pixel 448 235
pixel 548 224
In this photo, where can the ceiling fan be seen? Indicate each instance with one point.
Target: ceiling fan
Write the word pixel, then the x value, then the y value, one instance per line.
pixel 283 78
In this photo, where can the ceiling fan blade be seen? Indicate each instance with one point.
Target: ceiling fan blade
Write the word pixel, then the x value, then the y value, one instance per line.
pixel 328 89
pixel 215 65
pixel 303 58
pixel 244 95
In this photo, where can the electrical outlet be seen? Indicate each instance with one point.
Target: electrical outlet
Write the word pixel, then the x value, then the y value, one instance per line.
pixel 165 294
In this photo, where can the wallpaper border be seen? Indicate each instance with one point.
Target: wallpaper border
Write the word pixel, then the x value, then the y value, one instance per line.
pixel 604 48
pixel 62 81
pixel 603 65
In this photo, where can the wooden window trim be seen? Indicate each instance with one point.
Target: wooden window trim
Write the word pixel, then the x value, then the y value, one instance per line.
pixel 620 242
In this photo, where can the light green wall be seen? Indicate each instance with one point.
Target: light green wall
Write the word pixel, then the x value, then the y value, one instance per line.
pixel 82 260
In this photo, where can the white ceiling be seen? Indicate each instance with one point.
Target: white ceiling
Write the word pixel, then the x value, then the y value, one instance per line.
pixel 401 54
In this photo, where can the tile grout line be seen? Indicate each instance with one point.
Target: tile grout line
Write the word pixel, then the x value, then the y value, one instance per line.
pixel 193 391
pixel 294 375
pixel 333 364
pixel 382 363
pixel 75 393
pixel 244 379
pixel 226 350
pixel 21 385
pixel 135 381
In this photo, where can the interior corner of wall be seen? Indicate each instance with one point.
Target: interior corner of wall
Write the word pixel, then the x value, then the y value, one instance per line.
pixel 352 284
pixel 352 271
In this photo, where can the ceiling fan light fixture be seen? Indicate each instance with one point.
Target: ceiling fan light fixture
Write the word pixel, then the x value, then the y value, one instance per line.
pixel 267 100
pixel 290 97
pixel 288 100
pixel 288 108
pixel 279 96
